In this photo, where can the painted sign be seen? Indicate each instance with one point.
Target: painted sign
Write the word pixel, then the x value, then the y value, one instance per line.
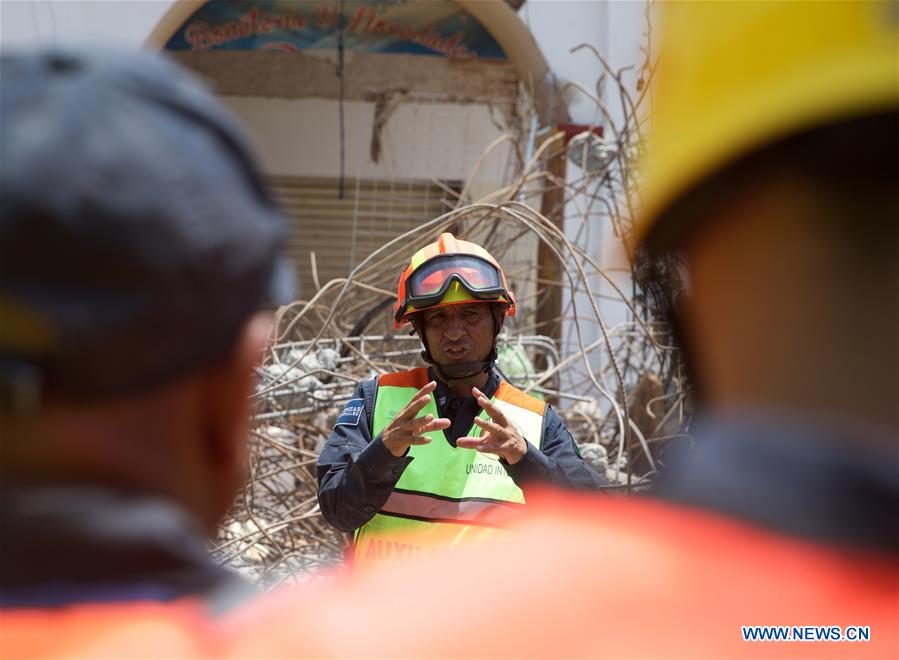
pixel 420 27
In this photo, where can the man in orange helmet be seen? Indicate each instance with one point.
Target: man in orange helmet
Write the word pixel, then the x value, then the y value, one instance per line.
pixel 443 453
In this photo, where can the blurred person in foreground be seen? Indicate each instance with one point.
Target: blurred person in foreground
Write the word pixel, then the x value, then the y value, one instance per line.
pixel 773 172
pixel 425 459
pixel 138 253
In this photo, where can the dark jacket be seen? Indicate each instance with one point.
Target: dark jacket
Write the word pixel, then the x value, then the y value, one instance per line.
pixel 830 481
pixel 75 544
pixel 356 473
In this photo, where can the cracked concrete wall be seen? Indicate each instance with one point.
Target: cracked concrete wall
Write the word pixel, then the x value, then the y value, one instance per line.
pixel 313 74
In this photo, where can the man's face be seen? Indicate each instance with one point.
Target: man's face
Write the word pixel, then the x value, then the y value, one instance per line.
pixel 459 333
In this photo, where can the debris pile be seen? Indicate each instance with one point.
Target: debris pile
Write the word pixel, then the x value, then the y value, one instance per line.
pixel 621 390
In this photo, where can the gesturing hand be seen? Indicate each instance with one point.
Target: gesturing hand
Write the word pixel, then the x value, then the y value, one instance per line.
pixel 406 429
pixel 499 436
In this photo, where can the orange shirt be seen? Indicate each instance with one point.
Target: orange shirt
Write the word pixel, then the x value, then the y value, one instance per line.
pixel 584 576
pixel 587 576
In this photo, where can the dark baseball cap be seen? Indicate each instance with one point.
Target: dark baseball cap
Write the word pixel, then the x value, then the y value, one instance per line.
pixel 136 234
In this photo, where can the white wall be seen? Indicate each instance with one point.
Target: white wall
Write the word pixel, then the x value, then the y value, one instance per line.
pixel 615 28
pixel 421 139
pixel 39 23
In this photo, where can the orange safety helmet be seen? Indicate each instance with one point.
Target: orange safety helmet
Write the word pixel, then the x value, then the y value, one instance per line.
pixel 450 272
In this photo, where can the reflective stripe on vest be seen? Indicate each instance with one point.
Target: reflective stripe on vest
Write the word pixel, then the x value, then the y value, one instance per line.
pixel 447 494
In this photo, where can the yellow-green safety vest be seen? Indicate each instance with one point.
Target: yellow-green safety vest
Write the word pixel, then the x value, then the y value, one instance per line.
pixel 446 495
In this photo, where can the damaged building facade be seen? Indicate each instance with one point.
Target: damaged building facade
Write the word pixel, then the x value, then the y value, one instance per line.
pixel 371 117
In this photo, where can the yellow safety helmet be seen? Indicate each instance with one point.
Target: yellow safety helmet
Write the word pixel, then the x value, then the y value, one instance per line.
pixel 734 77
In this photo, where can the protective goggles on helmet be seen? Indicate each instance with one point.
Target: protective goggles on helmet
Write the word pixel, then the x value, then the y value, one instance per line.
pixel 428 284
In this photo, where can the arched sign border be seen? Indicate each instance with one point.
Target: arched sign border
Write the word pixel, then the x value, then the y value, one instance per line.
pixel 497 17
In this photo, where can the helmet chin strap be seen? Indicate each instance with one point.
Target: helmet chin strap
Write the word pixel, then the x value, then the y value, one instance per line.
pixel 455 371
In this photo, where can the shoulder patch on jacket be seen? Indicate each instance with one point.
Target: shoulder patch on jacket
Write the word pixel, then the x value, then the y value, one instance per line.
pixel 351 413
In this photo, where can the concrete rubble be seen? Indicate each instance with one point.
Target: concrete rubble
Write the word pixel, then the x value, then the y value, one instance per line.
pixel 622 393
